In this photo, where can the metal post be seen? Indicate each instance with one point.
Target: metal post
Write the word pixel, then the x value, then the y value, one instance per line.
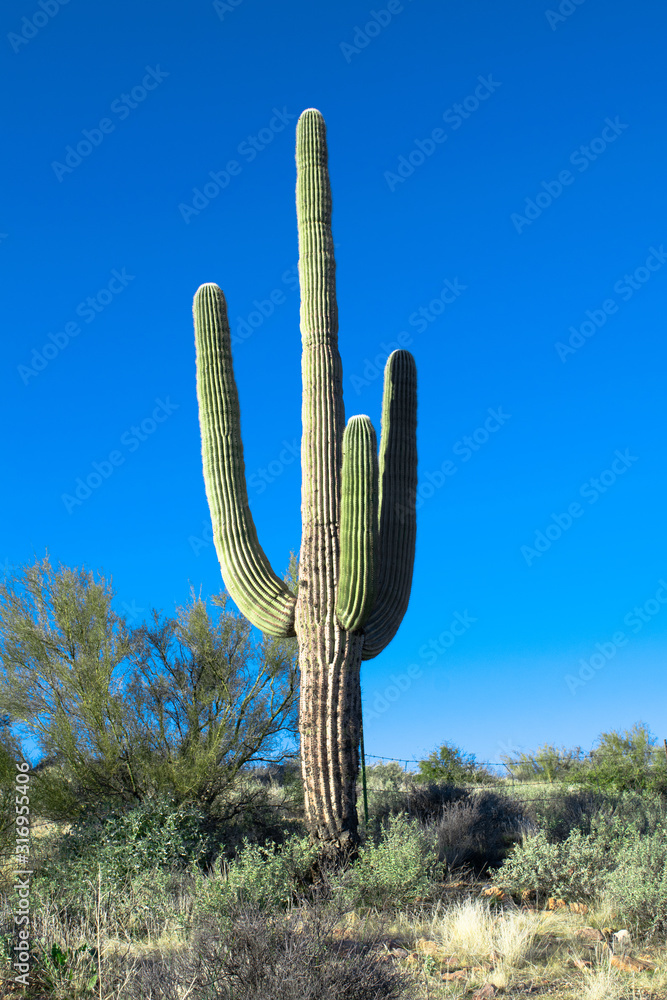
pixel 363 773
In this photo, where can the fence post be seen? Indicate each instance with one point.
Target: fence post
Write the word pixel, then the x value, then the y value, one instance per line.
pixel 363 772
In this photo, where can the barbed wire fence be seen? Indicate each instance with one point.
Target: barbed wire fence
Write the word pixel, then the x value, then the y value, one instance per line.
pixel 556 783
pixel 512 780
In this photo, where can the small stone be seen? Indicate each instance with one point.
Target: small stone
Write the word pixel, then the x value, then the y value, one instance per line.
pixel 627 964
pixel 450 977
pixel 485 992
pixel 590 934
pixel 494 891
pixel 426 947
pixel 621 942
pixel 398 952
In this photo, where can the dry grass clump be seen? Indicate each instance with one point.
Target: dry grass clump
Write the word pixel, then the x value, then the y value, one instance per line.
pixel 475 932
pixel 602 983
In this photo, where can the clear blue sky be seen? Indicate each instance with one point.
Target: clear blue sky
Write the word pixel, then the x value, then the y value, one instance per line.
pixel 498 181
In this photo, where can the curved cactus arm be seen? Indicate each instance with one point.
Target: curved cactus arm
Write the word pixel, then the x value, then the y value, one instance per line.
pixel 398 496
pixel 358 524
pixel 260 595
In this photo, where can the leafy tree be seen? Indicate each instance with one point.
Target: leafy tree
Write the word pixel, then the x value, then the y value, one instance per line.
pixel 448 763
pixel 628 760
pixel 548 763
pixel 177 706
pixel 10 756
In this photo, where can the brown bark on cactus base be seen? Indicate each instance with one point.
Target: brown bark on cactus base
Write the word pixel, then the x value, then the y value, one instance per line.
pixel 329 724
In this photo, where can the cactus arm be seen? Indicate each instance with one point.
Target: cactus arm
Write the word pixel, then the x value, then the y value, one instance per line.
pixel 260 595
pixel 358 524
pixel 398 495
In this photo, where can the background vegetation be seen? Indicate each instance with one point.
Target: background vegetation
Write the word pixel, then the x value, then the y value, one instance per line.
pixel 169 850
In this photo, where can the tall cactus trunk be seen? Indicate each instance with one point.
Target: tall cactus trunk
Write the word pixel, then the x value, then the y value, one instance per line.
pixel 358 513
pixel 329 658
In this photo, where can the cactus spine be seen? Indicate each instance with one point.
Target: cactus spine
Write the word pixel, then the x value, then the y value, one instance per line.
pixel 358 511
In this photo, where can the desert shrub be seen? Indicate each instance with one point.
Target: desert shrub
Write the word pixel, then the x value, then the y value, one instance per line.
pixel 131 867
pixel 420 801
pixel 477 831
pixel 574 869
pixel 451 765
pixel 636 888
pixel 153 835
pixel 63 974
pixel 549 763
pixel 610 814
pixel 426 801
pixel 265 878
pixel 627 761
pixel 559 812
pixel 262 808
pixel 291 957
pixel 394 872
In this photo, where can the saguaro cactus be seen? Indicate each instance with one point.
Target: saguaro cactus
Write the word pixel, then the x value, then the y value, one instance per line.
pixel 358 511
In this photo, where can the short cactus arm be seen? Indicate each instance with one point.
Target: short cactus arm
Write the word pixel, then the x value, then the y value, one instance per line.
pixel 260 595
pixel 358 524
pixel 398 495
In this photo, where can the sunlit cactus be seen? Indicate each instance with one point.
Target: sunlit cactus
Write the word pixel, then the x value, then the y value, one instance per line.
pixel 358 509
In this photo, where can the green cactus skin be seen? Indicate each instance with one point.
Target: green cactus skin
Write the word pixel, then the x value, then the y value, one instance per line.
pixel 358 514
pixel 251 582
pixel 358 525
pixel 398 494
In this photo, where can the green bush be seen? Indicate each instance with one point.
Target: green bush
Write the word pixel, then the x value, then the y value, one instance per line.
pixel 615 814
pixel 574 870
pixel 549 763
pixel 265 878
pixel 153 837
pixel 395 872
pixel 628 761
pixel 637 887
pixel 451 765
